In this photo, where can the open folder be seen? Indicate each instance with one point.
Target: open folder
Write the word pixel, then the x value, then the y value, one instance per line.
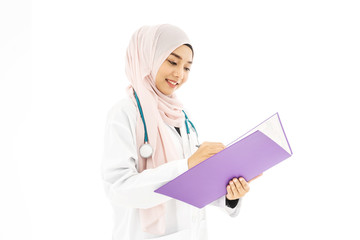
pixel 248 156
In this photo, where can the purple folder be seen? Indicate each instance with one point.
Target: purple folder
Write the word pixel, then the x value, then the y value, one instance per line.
pixel 248 156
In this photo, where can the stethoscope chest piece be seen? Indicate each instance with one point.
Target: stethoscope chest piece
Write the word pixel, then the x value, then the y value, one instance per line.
pixel 146 150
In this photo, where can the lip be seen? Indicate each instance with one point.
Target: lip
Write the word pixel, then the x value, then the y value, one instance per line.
pixel 171 85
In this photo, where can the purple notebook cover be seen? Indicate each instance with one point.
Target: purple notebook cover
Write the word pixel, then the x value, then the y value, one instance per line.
pixel 207 181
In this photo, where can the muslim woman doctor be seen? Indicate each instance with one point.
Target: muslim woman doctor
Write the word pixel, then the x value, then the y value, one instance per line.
pixel 158 61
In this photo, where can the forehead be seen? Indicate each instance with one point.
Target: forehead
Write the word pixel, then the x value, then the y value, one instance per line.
pixel 183 53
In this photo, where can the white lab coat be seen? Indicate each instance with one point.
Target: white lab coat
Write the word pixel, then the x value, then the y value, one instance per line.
pixel 129 190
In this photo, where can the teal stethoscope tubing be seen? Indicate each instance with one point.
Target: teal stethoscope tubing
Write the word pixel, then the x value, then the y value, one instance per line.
pixel 146 140
pixel 142 116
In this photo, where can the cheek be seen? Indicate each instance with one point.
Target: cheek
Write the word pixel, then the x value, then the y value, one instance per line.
pixel 164 68
pixel 158 82
pixel 185 77
pixel 161 72
pixel 160 78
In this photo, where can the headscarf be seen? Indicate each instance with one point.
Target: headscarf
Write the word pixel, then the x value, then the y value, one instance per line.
pixel 148 49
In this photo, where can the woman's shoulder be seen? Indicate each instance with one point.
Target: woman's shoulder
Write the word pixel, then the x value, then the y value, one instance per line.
pixel 124 109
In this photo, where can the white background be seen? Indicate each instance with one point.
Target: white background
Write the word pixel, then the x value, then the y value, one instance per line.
pixel 62 68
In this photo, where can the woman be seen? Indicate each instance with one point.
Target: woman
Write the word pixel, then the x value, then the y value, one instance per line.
pixel 158 62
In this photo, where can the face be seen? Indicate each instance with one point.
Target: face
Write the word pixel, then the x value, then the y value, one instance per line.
pixel 174 71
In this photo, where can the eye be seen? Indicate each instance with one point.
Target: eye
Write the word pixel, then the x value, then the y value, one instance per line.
pixel 174 63
pixel 171 62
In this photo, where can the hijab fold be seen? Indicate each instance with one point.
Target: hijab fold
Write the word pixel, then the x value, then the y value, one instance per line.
pixel 148 49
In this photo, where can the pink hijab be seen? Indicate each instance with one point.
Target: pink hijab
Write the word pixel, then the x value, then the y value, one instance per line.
pixel 148 49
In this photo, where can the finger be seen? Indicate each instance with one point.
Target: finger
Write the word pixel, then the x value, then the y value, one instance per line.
pixel 234 189
pixel 240 189
pixel 254 178
pixel 237 183
pixel 244 184
pixel 219 144
pixel 219 147
pixel 230 194
pixel 216 150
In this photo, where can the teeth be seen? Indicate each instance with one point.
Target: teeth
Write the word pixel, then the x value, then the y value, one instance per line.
pixel 172 83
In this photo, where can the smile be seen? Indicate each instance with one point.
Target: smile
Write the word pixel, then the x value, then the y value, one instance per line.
pixel 171 83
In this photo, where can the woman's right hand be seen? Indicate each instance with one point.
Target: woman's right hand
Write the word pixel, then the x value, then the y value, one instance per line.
pixel 206 150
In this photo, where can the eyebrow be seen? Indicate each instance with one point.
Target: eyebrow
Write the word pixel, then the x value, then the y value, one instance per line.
pixel 179 57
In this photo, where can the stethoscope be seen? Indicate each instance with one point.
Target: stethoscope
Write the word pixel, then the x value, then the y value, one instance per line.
pixel 146 150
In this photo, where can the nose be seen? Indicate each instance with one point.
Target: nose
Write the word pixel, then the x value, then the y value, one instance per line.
pixel 179 73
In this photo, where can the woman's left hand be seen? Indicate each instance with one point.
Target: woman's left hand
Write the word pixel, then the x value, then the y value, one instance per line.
pixel 238 187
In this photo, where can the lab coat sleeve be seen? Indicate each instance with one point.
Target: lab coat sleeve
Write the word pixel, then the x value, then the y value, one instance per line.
pixel 221 203
pixel 124 185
